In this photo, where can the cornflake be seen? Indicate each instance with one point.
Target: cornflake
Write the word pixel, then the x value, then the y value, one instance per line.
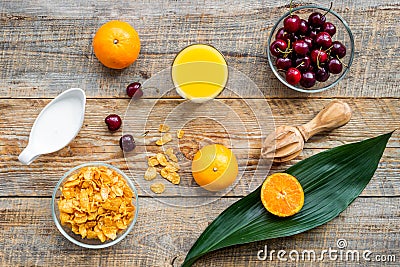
pixel 162 159
pixel 173 177
pixel 170 153
pixel 167 137
pixel 180 134
pixel 150 174
pixel 96 203
pixel 157 188
pixel 163 128
pixel 152 161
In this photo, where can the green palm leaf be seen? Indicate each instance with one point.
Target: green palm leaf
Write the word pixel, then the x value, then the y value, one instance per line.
pixel 331 181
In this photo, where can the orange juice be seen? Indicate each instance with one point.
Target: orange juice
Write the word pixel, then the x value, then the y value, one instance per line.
pixel 199 72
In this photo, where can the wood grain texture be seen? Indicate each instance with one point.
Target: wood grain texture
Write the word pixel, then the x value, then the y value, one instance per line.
pixel 45 48
pixel 47 44
pixel 164 234
pixel 95 143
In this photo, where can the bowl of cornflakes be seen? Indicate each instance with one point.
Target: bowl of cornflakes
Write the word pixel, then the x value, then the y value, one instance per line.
pixel 95 205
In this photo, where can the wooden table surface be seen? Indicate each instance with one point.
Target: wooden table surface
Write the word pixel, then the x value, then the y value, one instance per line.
pixel 45 48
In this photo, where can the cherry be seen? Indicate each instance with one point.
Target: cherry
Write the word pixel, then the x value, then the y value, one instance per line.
pixel 293 76
pixel 134 90
pixel 113 122
pixel 283 63
pixel 127 143
pixel 329 28
pixel 277 47
pixel 318 55
pixel 303 28
pixel 303 64
pixel 282 34
pixel 321 75
pixel 291 23
pixel 316 19
pixel 338 49
pixel 307 79
pixel 335 66
pixel 309 41
pixel 323 39
pixel 313 34
pixel 301 47
pixel 294 37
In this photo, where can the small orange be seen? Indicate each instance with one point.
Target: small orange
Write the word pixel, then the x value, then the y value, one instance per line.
pixel 214 167
pixel 116 44
pixel 282 194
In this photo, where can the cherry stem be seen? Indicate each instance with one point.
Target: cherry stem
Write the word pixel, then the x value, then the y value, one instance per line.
pixel 145 133
pixel 330 7
pixel 342 62
pixel 285 52
pixel 290 8
pixel 319 52
pixel 301 64
pixel 329 48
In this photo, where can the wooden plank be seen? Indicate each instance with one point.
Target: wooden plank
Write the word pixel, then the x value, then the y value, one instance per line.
pixel 164 234
pixel 46 46
pixel 95 143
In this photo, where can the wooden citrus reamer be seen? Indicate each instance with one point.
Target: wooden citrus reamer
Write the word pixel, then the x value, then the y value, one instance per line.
pixel 289 140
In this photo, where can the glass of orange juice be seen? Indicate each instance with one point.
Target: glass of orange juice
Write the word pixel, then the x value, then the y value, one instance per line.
pixel 199 72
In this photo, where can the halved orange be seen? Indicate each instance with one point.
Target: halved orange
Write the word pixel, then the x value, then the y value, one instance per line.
pixel 282 194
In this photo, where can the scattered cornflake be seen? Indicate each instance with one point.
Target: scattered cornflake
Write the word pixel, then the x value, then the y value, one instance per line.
pixel 167 137
pixel 164 172
pixel 173 177
pixel 180 134
pixel 170 153
pixel 170 167
pixel 163 128
pixel 150 174
pixel 162 159
pixel 96 202
pixel 152 161
pixel 157 188
pixel 167 160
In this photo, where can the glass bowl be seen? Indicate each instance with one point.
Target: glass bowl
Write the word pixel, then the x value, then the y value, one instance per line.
pixel 343 35
pixel 66 230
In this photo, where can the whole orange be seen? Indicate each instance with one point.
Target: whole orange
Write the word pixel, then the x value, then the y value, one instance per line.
pixel 116 44
pixel 214 167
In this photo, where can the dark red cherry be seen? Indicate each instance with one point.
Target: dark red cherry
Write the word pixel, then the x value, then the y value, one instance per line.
pixel 294 37
pixel 282 35
pixel 303 28
pixel 313 34
pixel 293 76
pixel 307 79
pixel 309 41
pixel 127 143
pixel 316 19
pixel 318 56
pixel 323 40
pixel 338 49
pixel 329 28
pixel 321 74
pixel 113 122
pixel 291 23
pixel 335 66
pixel 301 47
pixel 283 63
pixel 303 64
pixel 134 90
pixel 277 47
